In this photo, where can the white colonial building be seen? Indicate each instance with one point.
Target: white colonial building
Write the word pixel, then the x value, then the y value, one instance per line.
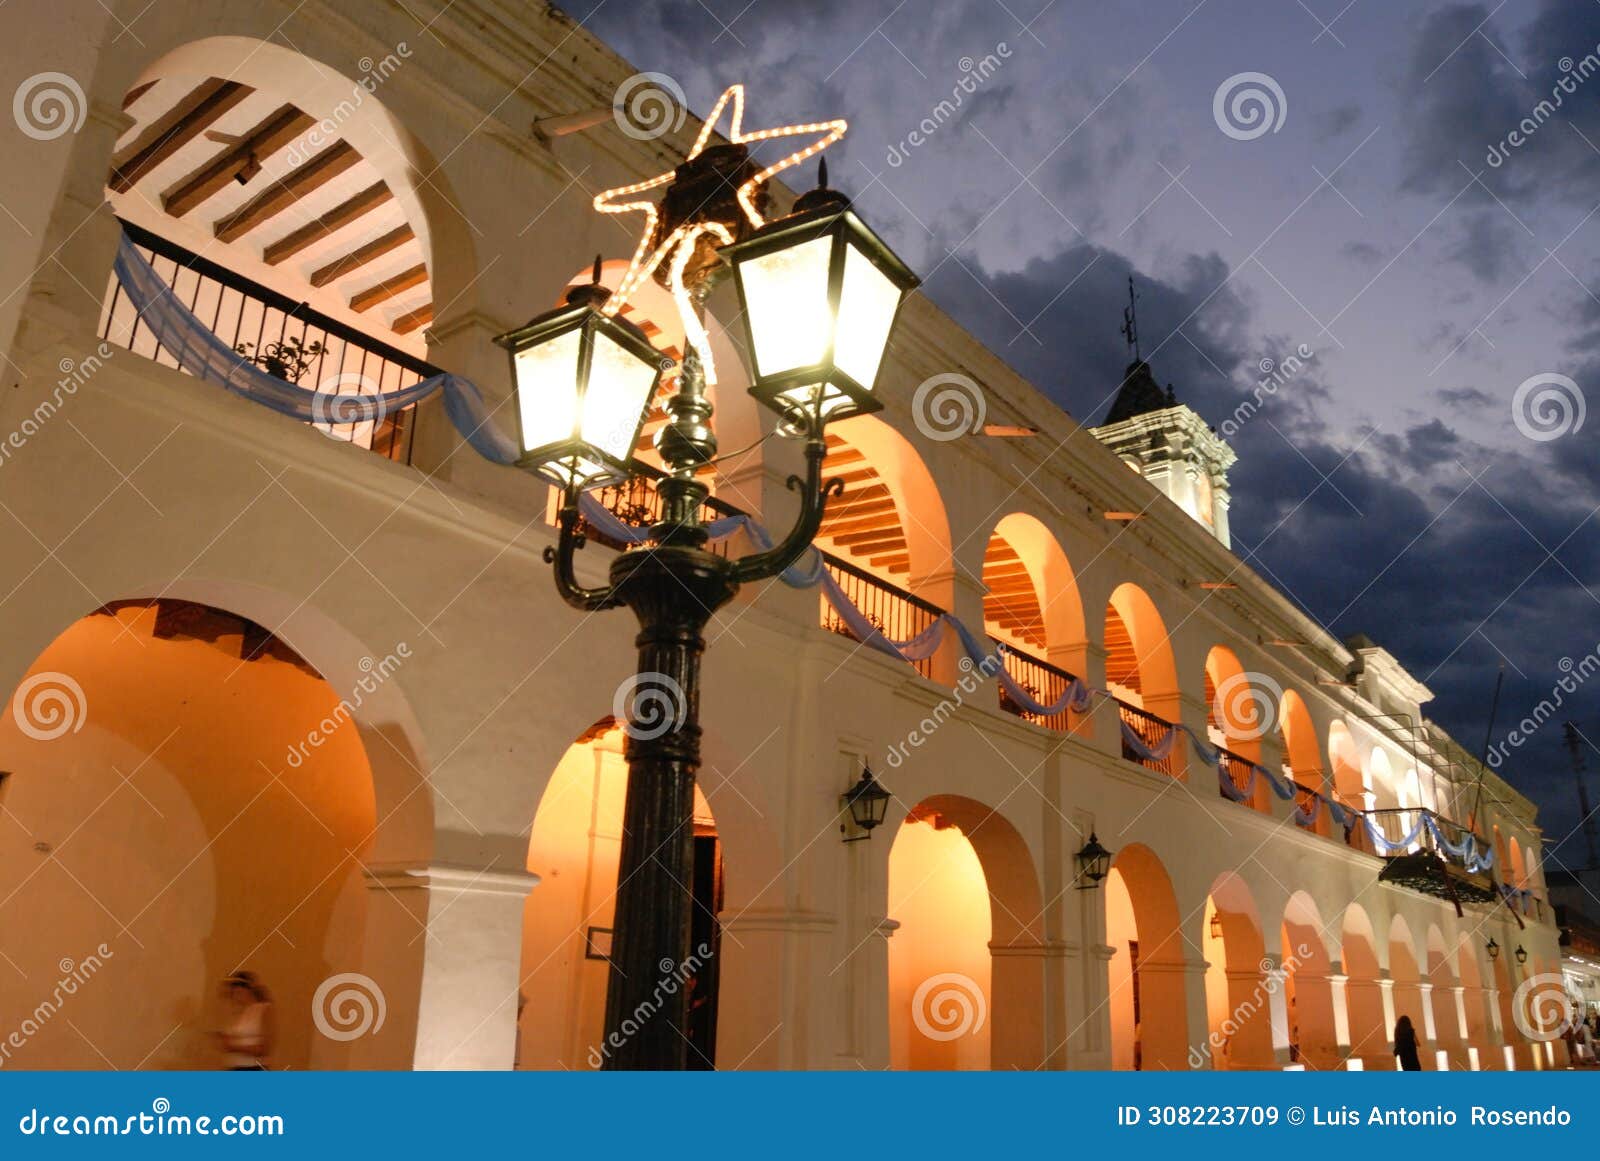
pixel 303 700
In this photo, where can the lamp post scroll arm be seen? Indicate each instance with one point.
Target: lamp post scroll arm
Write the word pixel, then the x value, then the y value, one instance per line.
pixel 814 496
pixel 560 555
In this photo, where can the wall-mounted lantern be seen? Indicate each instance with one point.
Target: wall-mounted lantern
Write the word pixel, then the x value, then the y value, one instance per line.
pixel 1521 953
pixel 868 802
pixel 1492 948
pixel 1094 864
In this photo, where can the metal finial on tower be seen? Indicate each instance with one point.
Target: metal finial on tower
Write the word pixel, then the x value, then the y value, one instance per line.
pixel 1130 322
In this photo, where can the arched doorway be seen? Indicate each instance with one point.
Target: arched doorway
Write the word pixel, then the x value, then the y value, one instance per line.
pixel 191 799
pixel 1369 1031
pixel 1297 742
pixel 1149 1028
pixel 1141 673
pixel 567 923
pixel 1475 1001
pixel 1447 1002
pixel 1313 1026
pixel 1406 979
pixel 966 978
pixel 1031 605
pixel 1237 715
pixel 1238 1000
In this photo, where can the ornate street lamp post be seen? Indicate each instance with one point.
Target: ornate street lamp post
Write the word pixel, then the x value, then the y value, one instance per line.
pixel 820 293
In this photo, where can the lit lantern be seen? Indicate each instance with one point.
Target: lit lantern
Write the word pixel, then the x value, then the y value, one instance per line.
pixel 818 292
pixel 1094 864
pixel 1521 953
pixel 1492 948
pixel 583 382
pixel 867 802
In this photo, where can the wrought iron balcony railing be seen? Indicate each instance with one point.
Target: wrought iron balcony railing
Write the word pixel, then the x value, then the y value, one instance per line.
pixel 1046 684
pixel 892 611
pixel 1239 771
pixel 240 311
pixel 1152 729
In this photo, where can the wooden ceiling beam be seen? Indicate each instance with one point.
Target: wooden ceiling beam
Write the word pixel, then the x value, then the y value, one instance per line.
pixel 338 218
pixel 201 108
pixel 411 320
pixel 271 135
pixel 288 190
pixel 362 256
pixel 388 288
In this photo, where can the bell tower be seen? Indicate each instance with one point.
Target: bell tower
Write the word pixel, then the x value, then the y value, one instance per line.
pixel 1165 441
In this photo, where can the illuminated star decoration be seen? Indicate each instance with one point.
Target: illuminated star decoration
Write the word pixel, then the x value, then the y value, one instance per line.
pixel 681 242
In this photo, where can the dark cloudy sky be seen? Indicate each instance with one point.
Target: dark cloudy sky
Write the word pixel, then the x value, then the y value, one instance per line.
pixel 1390 489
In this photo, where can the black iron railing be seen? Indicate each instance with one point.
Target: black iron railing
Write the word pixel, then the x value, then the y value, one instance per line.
pixel 890 610
pixel 1307 803
pixel 1238 770
pixel 240 311
pixel 1152 730
pixel 1044 682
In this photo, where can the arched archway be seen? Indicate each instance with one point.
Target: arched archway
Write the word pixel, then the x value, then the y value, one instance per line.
pixel 1313 1026
pixel 1140 670
pixel 1031 605
pixel 574 848
pixel 1147 966
pixel 1478 1012
pixel 1297 742
pixel 966 985
pixel 887 535
pixel 326 233
pixel 1369 1031
pixel 1238 999
pixel 1406 978
pixel 194 798
pixel 1237 715
pixel 1446 1002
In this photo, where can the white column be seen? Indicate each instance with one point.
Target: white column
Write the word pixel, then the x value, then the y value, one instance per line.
pixel 471 961
pixel 1275 980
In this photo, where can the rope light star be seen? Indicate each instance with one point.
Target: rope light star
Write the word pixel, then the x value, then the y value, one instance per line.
pixel 677 248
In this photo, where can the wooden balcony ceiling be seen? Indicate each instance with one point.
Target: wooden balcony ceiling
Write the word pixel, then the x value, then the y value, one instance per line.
pixel 311 217
pixel 1122 663
pixel 863 525
pixel 1012 602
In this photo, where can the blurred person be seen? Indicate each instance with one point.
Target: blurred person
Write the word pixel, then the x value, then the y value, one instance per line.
pixel 246 1034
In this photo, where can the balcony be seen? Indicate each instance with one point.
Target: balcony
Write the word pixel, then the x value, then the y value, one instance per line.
pixel 243 313
pixel 1044 682
pixel 1152 730
pixel 892 611
pixel 1425 865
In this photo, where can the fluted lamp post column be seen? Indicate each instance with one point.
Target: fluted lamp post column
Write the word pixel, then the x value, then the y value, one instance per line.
pixel 819 294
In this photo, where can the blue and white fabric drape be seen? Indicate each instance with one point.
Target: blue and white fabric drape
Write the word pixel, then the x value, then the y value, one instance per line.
pixel 200 352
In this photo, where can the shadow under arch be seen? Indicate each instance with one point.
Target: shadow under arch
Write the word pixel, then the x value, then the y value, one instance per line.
pixel 963 886
pixel 1149 1028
